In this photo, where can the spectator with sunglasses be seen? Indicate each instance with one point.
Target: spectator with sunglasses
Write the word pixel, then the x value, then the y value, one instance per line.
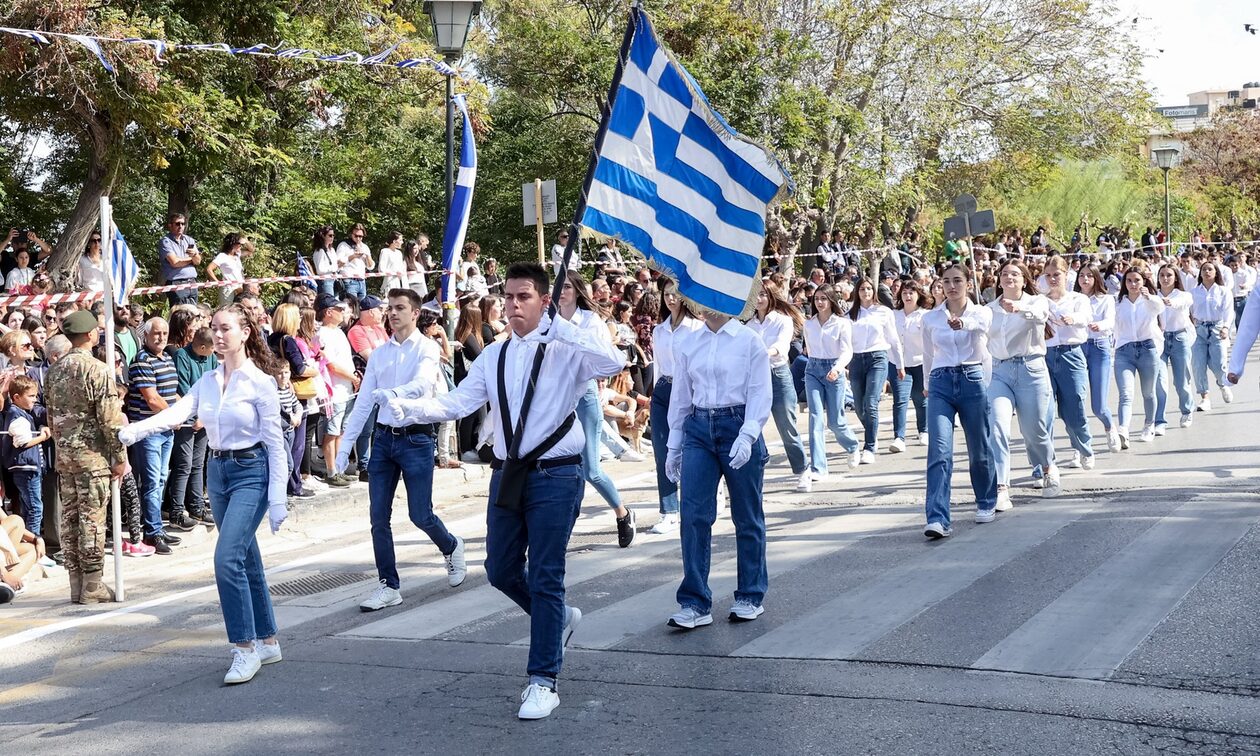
pixel 179 258
pixel 92 265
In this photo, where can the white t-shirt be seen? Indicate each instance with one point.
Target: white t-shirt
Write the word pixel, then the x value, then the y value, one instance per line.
pixel 231 267
pixel 91 275
pixel 337 351
pixel 356 268
pixel 390 261
pixel 20 431
pixel 18 277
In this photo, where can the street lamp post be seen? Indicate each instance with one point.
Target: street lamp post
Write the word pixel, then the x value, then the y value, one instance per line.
pixel 451 21
pixel 1166 159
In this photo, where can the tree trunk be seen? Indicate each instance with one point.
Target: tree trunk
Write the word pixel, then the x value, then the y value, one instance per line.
pixel 104 166
pixel 179 197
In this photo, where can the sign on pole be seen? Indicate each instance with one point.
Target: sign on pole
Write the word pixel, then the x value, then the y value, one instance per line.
pixel 530 201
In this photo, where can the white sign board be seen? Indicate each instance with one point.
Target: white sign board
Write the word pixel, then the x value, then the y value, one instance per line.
pixel 548 202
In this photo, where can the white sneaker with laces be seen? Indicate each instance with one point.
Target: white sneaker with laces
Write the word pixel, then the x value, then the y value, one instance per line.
pixel 745 611
pixel 1088 462
pixel 985 515
pixel 855 459
pixel 1113 440
pixel 1161 428
pixel 923 439
pixel 1075 462
pixel 268 653
pixel 668 524
pixel 630 455
pixel 689 618
pixel 897 446
pixel 1187 421
pixel 1052 486
pixel 1039 483
pixel 1123 433
pixel 806 482
pixel 245 665
pixel 1148 434
pixel 382 597
pixel 573 616
pixel 936 531
pixel 868 457
pixel 456 564
pixel 1004 500
pixel 537 702
pixel 1205 403
pixel 1227 394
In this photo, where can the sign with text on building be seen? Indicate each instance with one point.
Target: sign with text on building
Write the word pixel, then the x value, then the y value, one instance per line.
pixel 1183 111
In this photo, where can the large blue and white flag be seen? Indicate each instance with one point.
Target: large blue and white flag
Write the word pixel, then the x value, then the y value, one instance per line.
pixel 679 185
pixel 461 204
pixel 123 270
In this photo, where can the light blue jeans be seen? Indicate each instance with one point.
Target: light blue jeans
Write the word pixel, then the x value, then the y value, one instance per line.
pixel 1069 377
pixel 1208 355
pixel 1021 385
pixel 958 392
pixel 1098 357
pixel 1136 358
pixel 783 410
pixel 591 417
pixel 1177 355
pixel 826 410
pixel 238 498
pixel 867 373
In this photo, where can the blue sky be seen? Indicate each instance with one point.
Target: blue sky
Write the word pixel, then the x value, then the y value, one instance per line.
pixel 1204 45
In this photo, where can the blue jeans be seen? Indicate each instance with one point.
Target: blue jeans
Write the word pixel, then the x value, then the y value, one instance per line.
pixel 409 456
pixel 826 410
pixel 1021 386
pixel 327 286
pixel 1240 303
pixel 1098 361
pixel 238 498
pixel 183 296
pixel 1136 357
pixel 151 458
pixel 707 439
pixel 959 392
pixel 591 417
pixel 355 287
pixel 867 373
pixel 1208 356
pixel 30 493
pixel 798 376
pixel 525 557
pixel 1069 379
pixel 905 391
pixel 666 489
pixel 1177 355
pixel 783 410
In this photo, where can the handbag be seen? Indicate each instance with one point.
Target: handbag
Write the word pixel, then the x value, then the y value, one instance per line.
pixel 304 388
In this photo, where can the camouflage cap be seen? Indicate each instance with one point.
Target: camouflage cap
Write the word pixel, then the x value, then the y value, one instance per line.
pixel 79 323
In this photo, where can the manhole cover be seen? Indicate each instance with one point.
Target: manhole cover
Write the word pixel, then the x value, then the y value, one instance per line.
pixel 324 581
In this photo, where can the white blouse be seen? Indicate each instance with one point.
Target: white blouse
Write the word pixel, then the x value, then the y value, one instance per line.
pixel 390 262
pixel 832 340
pixel 1138 321
pixel 1176 315
pixel 875 330
pixel 721 368
pixel 776 331
pixel 1076 307
pixel 1103 309
pixel 945 347
pixel 1021 333
pixel 664 337
pixel 1212 304
pixel 910 331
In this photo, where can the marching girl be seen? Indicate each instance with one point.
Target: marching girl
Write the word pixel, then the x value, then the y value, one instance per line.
pixel 238 403
pixel 1137 329
pixel 912 304
pixel 1070 312
pixel 954 351
pixel 875 346
pixel 676 321
pixel 776 321
pixel 1021 381
pixel 1178 336
pixel 1098 348
pixel 829 344
pixel 1213 313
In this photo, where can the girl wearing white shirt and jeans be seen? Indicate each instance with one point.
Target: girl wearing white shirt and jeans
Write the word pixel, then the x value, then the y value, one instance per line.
pixel 1137 329
pixel 1178 336
pixel 829 344
pixel 1021 380
pixel 1213 313
pixel 390 262
pixel 1098 347
pixel 677 320
pixel 1070 313
pixel 912 305
pixel 776 321
pixel 238 402
pixel 875 345
pixel 954 352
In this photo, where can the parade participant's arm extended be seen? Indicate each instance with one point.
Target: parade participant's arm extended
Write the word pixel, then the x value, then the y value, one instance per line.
pixel 471 394
pixel 598 357
pixel 1248 330
pixel 363 405
pixel 168 419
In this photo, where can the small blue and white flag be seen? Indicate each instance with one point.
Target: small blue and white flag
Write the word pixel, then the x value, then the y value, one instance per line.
pixel 461 203
pixel 303 269
pixel 123 270
pixel 679 185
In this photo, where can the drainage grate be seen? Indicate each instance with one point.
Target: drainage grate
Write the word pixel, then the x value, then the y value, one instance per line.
pixel 312 584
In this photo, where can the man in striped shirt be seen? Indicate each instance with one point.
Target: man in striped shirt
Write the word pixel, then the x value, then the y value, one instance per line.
pixel 153 386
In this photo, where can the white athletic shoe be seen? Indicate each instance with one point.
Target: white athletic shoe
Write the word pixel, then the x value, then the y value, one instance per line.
pixel 573 617
pixel 630 455
pixel 1087 462
pixel 985 515
pixel 855 459
pixel 1161 428
pixel 537 702
pixel 868 457
pixel 923 439
pixel 1052 486
pixel 667 525
pixel 1205 403
pixel 245 664
pixel 1124 438
pixel 268 653
pixel 688 618
pixel 897 446
pixel 1003 500
pixel 1227 394
pixel 936 531
pixel 745 611
pixel 456 564
pixel 1113 440
pixel 382 597
pixel 1187 421
pixel 1148 434
pixel 806 483
pixel 1075 461
pixel 1039 483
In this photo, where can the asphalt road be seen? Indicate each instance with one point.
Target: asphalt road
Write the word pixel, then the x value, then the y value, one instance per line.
pixel 1118 618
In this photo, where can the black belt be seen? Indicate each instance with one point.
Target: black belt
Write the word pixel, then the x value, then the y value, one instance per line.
pixel 236 453
pixel 429 429
pixel 543 464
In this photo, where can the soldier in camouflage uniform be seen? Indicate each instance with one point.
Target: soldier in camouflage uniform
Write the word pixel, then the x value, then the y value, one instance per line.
pixel 84 413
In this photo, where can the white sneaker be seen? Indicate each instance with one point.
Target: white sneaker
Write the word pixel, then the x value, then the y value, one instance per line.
pixel 1124 438
pixel 382 597
pixel 1227 394
pixel 855 459
pixel 1003 501
pixel 818 477
pixel 1052 486
pixel 936 531
pixel 1075 462
pixel 268 653
pixel 745 611
pixel 456 564
pixel 245 665
pixel 630 455
pixel 897 446
pixel 1113 439
pixel 1161 428
pixel 1205 403
pixel 806 483
pixel 537 702
pixel 1039 483
pixel 667 525
pixel 868 457
pixel 688 618
pixel 573 617
pixel 1088 462
pixel 985 515
pixel 923 439
pixel 1187 421
pixel 1148 434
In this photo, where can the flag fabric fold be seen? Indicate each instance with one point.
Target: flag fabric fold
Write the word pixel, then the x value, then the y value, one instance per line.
pixel 461 203
pixel 680 185
pixel 123 270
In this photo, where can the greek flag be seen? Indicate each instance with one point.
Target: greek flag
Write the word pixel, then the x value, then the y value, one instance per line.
pixel 304 269
pixel 681 186
pixel 123 270
pixel 461 203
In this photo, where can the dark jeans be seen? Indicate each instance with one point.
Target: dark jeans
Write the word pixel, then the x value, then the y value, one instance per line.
pixel 408 456
pixel 363 444
pixel 30 495
pixel 666 489
pixel 867 373
pixel 908 390
pixel 186 488
pixel 295 454
pixel 525 558
pixel 184 296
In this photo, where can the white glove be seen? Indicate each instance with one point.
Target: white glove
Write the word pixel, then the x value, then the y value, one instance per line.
pixel 127 435
pixel 276 514
pixel 342 461
pixel 673 465
pixel 396 410
pixel 382 396
pixel 741 451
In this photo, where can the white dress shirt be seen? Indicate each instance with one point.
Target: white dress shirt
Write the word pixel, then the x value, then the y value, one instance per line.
pixel 1072 305
pixel 910 331
pixel 1212 304
pixel 557 258
pixel 776 331
pixel 573 359
pixel 664 336
pixel 327 261
pixel 1138 321
pixel 239 415
pixel 390 262
pixel 593 324
pixel 356 268
pixel 412 368
pixel 1021 333
pixel 1103 314
pixel 945 347
pixel 1248 330
pixel 721 368
pixel 875 330
pixel 1244 280
pixel 1176 315
pixel 832 340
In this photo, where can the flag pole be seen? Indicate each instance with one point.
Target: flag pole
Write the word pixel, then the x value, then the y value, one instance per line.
pixel 107 262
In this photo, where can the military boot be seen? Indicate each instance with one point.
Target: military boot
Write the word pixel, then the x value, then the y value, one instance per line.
pixel 76 586
pixel 94 592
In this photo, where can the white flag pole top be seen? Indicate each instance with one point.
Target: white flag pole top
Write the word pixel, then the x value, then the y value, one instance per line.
pixel 107 237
